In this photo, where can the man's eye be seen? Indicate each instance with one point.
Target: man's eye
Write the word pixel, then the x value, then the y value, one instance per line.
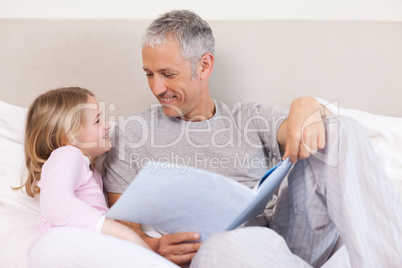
pixel 149 75
pixel 168 75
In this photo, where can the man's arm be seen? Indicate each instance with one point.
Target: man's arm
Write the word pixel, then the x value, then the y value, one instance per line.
pixel 303 132
pixel 174 247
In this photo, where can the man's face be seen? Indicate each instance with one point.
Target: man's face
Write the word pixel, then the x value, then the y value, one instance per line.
pixel 170 79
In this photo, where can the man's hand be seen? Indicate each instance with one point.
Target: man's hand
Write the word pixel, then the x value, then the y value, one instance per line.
pixel 303 132
pixel 177 247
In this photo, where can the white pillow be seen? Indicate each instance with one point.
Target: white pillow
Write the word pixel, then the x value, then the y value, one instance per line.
pixel 18 211
pixel 385 133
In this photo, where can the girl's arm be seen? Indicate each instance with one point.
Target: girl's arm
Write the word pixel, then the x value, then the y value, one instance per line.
pixel 113 228
pixel 62 175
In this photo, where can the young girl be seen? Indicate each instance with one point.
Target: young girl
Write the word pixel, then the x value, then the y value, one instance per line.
pixel 65 132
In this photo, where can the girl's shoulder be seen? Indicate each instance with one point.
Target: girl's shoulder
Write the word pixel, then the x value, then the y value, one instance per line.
pixel 65 164
pixel 69 155
pixel 67 150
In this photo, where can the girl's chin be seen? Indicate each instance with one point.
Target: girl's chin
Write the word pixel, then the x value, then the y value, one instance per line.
pixel 108 145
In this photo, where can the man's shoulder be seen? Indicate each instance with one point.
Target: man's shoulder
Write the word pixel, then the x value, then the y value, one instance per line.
pixel 238 106
pixel 155 109
pixel 246 110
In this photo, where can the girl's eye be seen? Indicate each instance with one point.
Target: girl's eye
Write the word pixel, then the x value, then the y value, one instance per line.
pixel 97 121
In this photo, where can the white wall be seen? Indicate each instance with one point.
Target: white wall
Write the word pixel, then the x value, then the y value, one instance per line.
pixel 357 63
pixel 377 10
pixel 349 52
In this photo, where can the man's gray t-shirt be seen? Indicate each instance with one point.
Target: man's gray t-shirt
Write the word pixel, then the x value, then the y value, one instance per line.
pixel 239 143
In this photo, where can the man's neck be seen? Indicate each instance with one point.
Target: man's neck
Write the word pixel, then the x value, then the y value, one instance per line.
pixel 204 112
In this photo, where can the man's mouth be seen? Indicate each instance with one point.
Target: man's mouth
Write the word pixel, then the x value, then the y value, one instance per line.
pixel 166 99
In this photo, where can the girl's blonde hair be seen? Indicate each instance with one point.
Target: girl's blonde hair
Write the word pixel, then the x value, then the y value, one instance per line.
pixel 52 119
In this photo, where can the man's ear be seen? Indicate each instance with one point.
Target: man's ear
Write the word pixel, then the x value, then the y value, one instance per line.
pixel 206 64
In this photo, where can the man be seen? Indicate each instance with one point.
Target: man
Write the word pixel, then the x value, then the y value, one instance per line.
pixel 191 128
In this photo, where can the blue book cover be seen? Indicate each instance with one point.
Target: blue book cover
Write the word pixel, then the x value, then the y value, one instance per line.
pixel 174 199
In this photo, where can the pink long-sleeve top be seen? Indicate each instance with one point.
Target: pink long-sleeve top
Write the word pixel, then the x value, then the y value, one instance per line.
pixel 70 193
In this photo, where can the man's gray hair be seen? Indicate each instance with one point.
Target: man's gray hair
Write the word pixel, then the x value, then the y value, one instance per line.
pixel 193 34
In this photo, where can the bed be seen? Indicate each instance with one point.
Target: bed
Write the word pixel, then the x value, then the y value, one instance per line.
pixel 344 63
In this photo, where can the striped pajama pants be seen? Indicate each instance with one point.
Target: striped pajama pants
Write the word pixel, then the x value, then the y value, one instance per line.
pixel 342 191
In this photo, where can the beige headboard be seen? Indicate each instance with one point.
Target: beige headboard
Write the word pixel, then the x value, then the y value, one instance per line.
pixel 358 64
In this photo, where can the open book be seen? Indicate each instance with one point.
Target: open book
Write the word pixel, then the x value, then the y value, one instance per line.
pixel 183 199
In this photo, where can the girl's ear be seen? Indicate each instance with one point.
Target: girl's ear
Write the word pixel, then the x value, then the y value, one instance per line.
pixel 206 64
pixel 65 140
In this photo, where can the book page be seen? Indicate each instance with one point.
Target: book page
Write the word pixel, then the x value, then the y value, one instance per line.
pixel 176 201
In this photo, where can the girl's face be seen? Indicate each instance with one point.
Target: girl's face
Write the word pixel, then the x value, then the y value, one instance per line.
pixel 94 139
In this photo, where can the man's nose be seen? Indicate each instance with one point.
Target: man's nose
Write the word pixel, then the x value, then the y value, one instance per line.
pixel 157 86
